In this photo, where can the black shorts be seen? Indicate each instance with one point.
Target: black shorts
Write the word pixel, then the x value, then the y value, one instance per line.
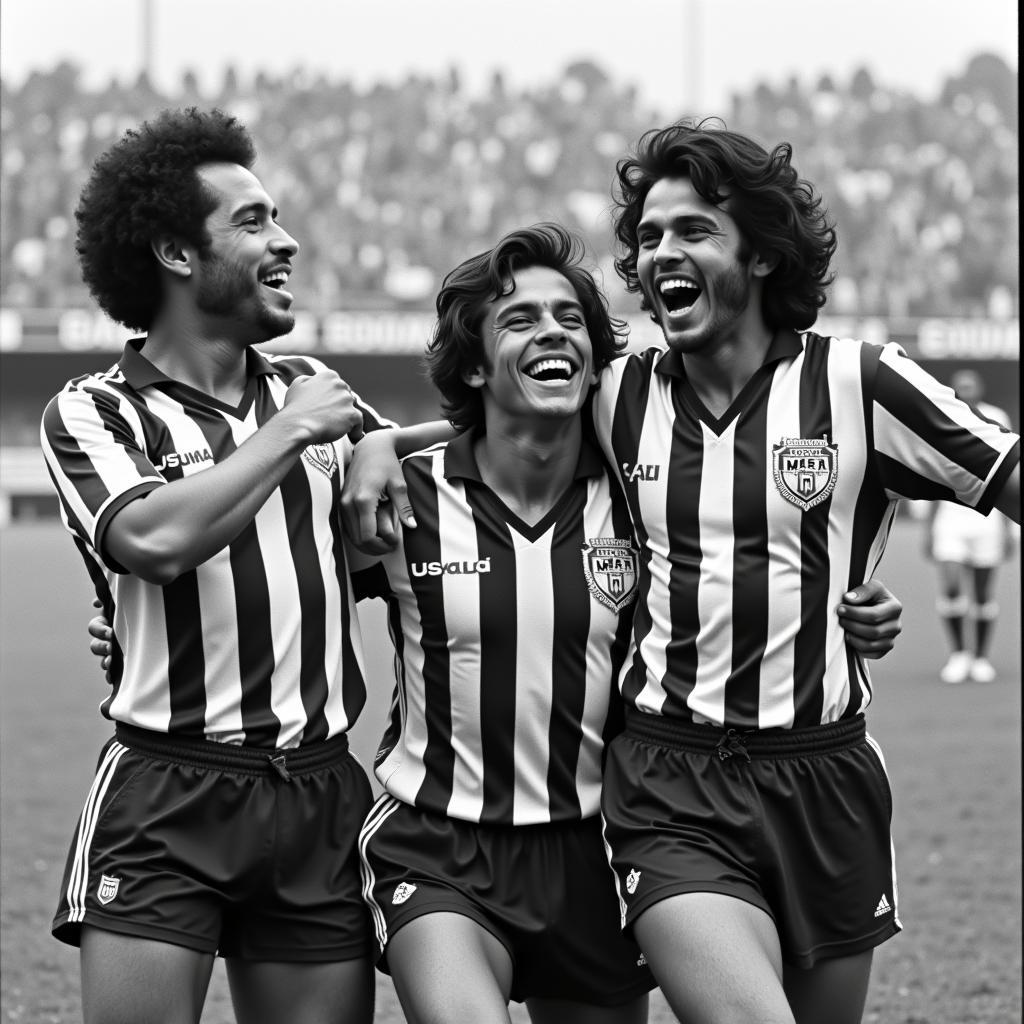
pixel 543 891
pixel 796 822
pixel 218 848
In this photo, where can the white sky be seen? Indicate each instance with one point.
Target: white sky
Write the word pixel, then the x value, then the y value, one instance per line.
pixel 911 44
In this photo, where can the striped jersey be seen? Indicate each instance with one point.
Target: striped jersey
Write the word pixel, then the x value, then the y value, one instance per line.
pixel 508 641
pixel 751 526
pixel 258 645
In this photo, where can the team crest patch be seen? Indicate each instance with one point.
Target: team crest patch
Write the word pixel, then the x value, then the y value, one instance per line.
pixel 402 892
pixel 323 457
pixel 805 469
pixel 107 889
pixel 610 569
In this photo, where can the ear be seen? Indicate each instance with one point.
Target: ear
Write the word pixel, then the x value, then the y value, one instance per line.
pixel 172 255
pixel 762 266
pixel 474 377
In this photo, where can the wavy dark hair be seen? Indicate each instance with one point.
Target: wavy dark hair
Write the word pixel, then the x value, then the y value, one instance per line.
pixel 779 214
pixel 456 345
pixel 146 185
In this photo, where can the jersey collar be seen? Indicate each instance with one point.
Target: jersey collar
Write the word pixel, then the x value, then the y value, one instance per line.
pixel 785 344
pixel 140 373
pixel 460 458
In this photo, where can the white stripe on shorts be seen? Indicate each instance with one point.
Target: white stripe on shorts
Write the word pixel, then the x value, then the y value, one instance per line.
pixel 384 807
pixel 78 880
pixel 892 846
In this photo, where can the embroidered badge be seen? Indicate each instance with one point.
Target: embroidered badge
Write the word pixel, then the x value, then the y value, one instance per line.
pixel 610 569
pixel 402 892
pixel 107 889
pixel 323 457
pixel 805 469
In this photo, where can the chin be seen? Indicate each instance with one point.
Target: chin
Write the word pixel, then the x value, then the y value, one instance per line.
pixel 277 324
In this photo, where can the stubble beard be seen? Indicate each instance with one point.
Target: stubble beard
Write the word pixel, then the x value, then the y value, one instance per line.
pixel 226 291
pixel 732 297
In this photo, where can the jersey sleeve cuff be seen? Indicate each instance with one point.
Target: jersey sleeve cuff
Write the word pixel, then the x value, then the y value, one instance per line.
pixel 999 478
pixel 115 505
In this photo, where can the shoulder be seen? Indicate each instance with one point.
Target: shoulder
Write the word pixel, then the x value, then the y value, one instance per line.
pixel 630 366
pixel 86 391
pixel 292 366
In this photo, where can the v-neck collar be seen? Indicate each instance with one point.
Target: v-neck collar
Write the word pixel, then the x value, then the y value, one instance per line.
pixel 460 463
pixel 785 344
pixel 140 373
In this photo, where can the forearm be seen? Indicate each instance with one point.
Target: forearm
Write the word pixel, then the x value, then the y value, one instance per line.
pixel 176 527
pixel 420 435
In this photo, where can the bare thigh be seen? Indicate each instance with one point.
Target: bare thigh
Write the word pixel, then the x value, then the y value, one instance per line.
pixel 340 992
pixel 716 958
pixel 446 968
pixel 130 980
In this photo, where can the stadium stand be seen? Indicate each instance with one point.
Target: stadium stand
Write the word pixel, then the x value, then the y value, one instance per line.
pixel 386 187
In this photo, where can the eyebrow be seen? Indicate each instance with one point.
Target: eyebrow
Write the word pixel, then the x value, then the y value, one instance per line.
pixel 525 305
pixel 684 218
pixel 257 206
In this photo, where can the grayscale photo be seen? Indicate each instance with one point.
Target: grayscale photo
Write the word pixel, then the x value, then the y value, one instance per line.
pixel 510 512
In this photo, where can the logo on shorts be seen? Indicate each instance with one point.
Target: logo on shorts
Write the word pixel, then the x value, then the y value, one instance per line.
pixel 107 889
pixel 402 892
pixel 322 457
pixel 883 907
pixel 642 961
pixel 609 566
pixel 805 469
pixel 632 881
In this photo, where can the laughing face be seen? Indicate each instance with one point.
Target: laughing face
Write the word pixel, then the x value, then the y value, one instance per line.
pixel 540 362
pixel 242 277
pixel 695 270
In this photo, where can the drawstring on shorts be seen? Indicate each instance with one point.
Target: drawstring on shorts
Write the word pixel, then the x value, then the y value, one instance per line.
pixel 731 744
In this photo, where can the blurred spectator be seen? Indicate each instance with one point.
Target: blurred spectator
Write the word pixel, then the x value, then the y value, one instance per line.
pixel 383 186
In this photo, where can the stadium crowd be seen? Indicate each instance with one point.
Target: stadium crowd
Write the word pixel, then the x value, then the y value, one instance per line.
pixel 386 186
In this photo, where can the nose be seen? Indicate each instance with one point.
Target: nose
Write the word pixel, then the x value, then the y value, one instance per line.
pixel 669 250
pixel 548 327
pixel 284 243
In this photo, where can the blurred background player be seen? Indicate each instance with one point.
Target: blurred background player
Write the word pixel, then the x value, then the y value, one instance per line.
pixel 968 548
pixel 200 480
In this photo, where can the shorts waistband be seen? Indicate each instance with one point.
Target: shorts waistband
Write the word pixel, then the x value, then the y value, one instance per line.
pixel 748 743
pixel 285 762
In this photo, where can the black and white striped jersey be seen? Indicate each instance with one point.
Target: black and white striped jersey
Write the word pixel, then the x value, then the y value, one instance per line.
pixel 751 526
pixel 508 641
pixel 258 645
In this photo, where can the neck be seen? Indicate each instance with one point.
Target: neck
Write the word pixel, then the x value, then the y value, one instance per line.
pixel 187 351
pixel 719 371
pixel 530 466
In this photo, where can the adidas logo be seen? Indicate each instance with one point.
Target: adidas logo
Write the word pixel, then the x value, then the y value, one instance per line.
pixel 883 907
pixel 632 881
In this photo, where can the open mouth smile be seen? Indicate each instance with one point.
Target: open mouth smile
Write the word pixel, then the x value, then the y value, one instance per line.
pixel 276 279
pixel 678 293
pixel 556 369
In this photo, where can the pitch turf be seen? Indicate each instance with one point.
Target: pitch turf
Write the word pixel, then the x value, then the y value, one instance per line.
pixel 953 754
